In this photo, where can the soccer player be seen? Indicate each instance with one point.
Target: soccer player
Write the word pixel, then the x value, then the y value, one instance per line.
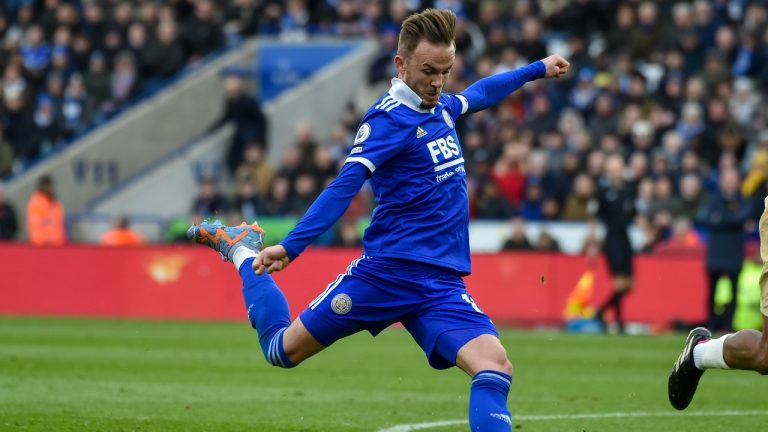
pixel 416 250
pixel 745 349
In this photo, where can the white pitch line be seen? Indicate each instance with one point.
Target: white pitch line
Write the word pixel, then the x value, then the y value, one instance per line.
pixel 430 425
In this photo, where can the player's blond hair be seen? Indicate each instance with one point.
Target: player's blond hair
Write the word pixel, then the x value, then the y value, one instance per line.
pixel 438 26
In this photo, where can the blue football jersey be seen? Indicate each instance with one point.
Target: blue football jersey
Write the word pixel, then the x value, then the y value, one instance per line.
pixel 417 177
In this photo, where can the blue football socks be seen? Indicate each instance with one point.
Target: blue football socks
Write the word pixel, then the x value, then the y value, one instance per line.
pixel 267 312
pixel 488 410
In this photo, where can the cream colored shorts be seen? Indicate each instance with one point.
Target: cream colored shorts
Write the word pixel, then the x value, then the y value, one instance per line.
pixel 764 255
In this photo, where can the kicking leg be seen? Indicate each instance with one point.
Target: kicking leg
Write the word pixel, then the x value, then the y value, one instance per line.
pixel 284 344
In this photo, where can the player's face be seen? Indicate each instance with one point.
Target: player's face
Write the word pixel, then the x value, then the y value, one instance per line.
pixel 426 70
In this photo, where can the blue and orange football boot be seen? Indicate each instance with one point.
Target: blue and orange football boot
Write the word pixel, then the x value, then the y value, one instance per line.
pixel 224 239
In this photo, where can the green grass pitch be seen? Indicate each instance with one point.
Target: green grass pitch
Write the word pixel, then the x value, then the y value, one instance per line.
pixel 99 375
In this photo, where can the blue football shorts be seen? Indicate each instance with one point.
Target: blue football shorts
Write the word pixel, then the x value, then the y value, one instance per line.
pixel 431 302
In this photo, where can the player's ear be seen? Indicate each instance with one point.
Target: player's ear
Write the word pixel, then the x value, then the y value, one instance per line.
pixel 400 64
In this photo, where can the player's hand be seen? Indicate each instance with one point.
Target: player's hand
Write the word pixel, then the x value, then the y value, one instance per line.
pixel 271 259
pixel 556 65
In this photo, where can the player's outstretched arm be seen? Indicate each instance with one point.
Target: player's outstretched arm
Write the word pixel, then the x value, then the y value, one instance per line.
pixel 324 212
pixel 491 90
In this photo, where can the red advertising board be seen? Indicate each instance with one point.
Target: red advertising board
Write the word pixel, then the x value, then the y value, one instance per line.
pixel 192 283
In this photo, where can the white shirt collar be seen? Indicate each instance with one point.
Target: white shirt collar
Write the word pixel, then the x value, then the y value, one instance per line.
pixel 404 94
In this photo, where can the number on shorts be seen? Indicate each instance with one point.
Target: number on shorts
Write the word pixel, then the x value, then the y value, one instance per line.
pixel 471 301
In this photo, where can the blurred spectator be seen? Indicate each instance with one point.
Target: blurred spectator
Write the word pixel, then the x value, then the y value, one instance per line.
pixel 546 243
pixel 533 201
pixel 255 169
pixel 46 126
pixel 691 196
pixel 604 120
pixel 278 200
pixel 531 46
pixel 323 167
pixel 305 190
pixel 97 82
pixel 618 35
pixel 646 35
pixel 577 204
pixel 518 241
pixel 684 239
pixel 664 205
pixel 347 235
pixel 35 53
pixel 164 54
pixel 508 174
pixel 691 124
pixel 248 203
pixel 209 201
pixel 203 34
pixel 306 146
pixel 542 117
pixel 724 215
pixel 244 16
pixel 74 111
pixel 491 205
pixel 245 112
pixel 591 246
pixel 124 82
pixel 6 156
pixel 121 234
pixel 8 225
pixel 383 68
pixel 45 216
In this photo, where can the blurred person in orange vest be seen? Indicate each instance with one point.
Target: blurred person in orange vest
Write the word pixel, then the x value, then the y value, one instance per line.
pixel 122 234
pixel 45 215
pixel 684 239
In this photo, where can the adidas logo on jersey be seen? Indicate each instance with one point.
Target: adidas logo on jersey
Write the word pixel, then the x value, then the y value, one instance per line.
pixel 420 132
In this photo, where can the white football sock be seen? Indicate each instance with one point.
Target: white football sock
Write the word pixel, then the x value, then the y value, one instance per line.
pixel 709 355
pixel 241 254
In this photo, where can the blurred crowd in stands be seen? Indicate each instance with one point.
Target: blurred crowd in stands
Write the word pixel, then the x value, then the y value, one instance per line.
pixel 672 87
pixel 67 66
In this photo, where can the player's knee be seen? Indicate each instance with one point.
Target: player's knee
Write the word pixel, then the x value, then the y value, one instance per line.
pixel 761 365
pixel 279 361
pixel 283 361
pixel 294 355
pixel 506 367
pixel 279 352
pixel 499 363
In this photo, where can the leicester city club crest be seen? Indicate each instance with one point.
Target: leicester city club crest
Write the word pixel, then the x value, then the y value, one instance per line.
pixel 363 133
pixel 448 119
pixel 341 304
